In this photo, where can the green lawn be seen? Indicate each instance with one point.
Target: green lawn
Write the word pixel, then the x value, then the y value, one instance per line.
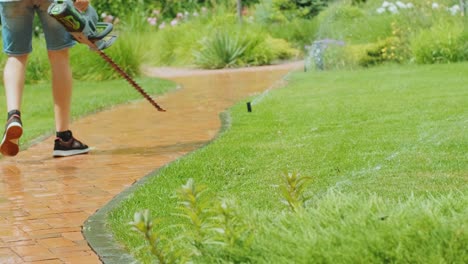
pixel 88 97
pixel 387 149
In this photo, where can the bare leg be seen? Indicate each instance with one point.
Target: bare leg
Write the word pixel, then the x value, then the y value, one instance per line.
pixel 14 76
pixel 61 87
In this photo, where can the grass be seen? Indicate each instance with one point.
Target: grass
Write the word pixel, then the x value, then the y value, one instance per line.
pixel 387 150
pixel 88 97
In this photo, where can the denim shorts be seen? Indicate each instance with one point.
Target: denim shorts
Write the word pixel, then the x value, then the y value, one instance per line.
pixel 17 27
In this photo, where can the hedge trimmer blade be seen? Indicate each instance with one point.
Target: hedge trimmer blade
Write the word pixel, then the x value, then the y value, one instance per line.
pixel 129 79
pixel 85 28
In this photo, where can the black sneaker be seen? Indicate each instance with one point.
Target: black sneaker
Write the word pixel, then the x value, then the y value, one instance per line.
pixel 13 131
pixel 70 147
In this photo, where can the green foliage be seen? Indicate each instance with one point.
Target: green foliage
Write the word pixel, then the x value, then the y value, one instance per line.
pixel 215 41
pixel 241 47
pixel 293 189
pixel 209 230
pixel 38 68
pixel 387 50
pixel 263 49
pixel 143 223
pixel 303 8
pixel 195 207
pixel 281 49
pixel 352 24
pixel 271 11
pixel 442 43
pixel 366 228
pixel 383 145
pixel 421 34
pixel 236 233
pixel 122 8
pixel 298 32
pixel 88 65
pixel 222 50
pixel 167 8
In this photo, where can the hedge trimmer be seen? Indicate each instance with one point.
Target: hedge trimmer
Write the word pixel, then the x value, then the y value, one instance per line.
pixel 85 28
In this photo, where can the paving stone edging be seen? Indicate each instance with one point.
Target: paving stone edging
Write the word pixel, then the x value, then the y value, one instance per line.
pixel 95 229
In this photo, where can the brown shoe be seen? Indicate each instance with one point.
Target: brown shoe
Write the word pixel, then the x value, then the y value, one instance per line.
pixel 71 147
pixel 10 140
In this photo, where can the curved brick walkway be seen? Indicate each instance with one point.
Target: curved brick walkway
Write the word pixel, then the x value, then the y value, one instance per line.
pixel 44 201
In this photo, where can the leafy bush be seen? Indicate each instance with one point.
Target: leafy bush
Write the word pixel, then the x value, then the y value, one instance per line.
pixel 392 32
pixel 352 24
pixel 241 46
pixel 212 229
pixel 298 32
pixel 280 10
pixel 344 57
pixel 167 8
pixel 174 46
pixel 387 50
pixel 441 44
pixel 221 50
pixel 281 49
pixel 215 41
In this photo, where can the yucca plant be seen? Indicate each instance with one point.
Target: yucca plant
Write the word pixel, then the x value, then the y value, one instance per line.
pixel 222 50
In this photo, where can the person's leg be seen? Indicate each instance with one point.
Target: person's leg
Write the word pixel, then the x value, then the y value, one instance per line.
pixel 13 76
pixel 61 87
pixel 58 43
pixel 13 79
pixel 17 18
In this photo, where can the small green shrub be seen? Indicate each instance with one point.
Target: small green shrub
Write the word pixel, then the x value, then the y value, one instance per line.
pixel 211 229
pixel 298 32
pixel 293 188
pixel 287 9
pixel 221 50
pixel 387 50
pixel 422 32
pixel 336 21
pixel 257 53
pixel 144 224
pixel 264 49
pixel 174 46
pixel 441 44
pixel 339 57
pixel 281 49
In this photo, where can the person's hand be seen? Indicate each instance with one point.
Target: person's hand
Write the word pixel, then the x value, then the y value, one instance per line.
pixel 82 5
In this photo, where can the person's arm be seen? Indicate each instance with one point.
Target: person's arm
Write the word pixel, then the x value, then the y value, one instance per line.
pixel 81 5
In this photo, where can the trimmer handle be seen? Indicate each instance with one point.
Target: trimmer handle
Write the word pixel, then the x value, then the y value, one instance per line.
pixel 102 30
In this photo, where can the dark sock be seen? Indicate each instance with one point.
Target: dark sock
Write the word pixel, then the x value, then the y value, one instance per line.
pixel 13 112
pixel 65 135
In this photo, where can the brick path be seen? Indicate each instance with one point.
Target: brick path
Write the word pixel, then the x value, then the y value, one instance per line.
pixel 44 201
